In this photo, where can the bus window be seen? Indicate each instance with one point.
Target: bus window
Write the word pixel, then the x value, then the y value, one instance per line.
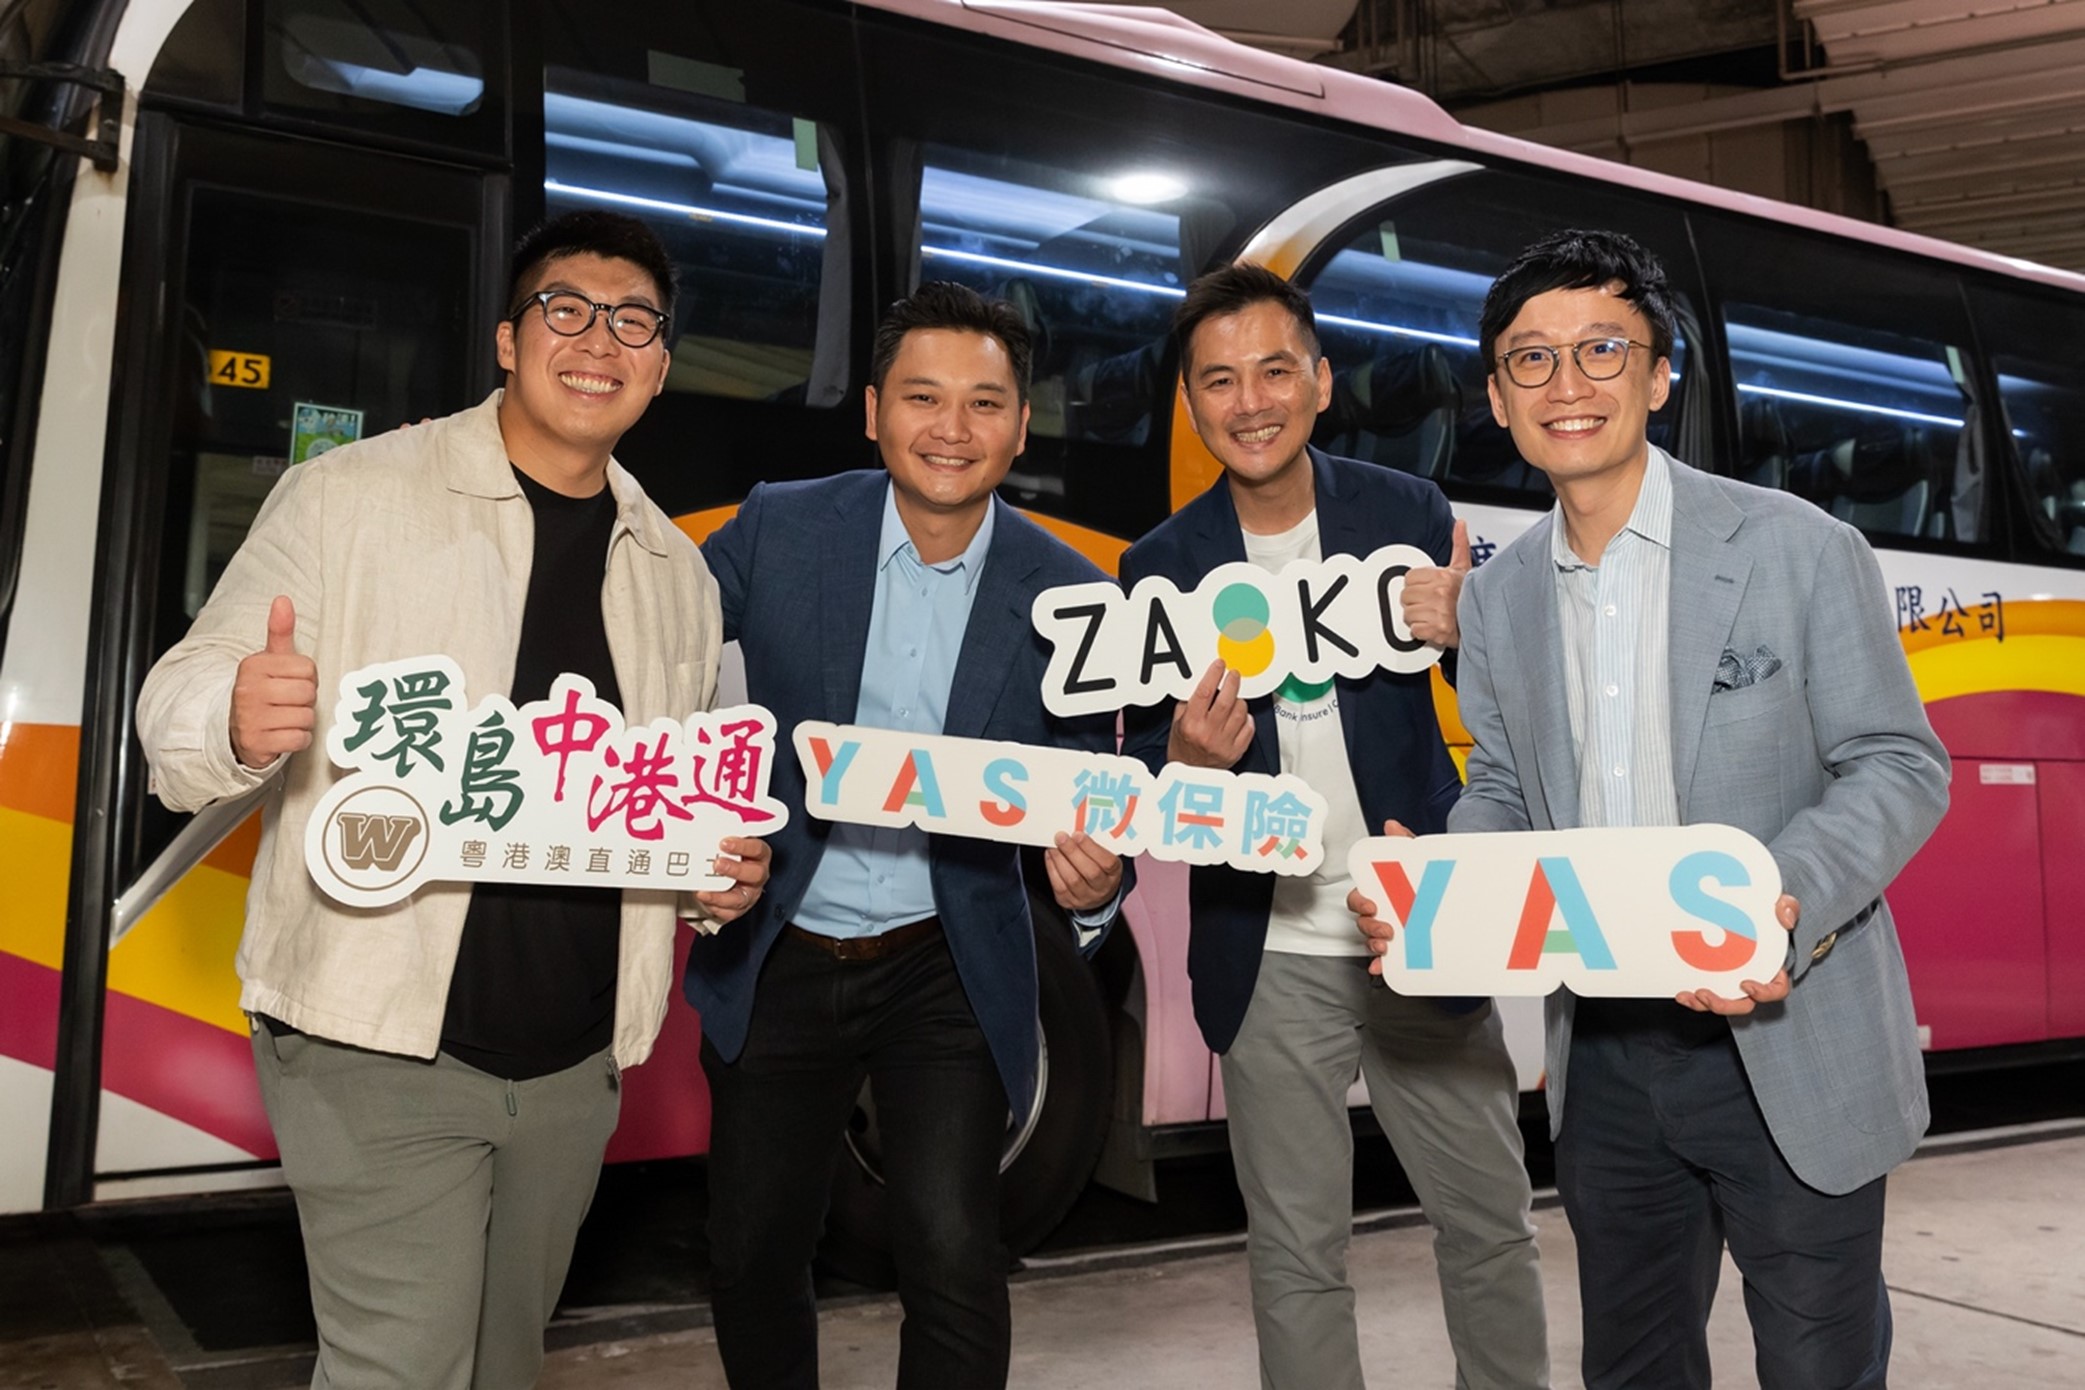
pixel 1866 424
pixel 2035 346
pixel 1397 304
pixel 429 74
pixel 1097 275
pixel 741 197
pixel 1852 382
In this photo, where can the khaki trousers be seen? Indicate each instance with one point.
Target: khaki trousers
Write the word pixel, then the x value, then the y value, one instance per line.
pixel 439 1206
pixel 1443 1088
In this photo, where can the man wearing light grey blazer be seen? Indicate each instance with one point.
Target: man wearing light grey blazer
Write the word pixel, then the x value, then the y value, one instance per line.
pixel 1669 647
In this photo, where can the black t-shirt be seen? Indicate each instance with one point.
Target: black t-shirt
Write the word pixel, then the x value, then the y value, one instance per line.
pixel 534 989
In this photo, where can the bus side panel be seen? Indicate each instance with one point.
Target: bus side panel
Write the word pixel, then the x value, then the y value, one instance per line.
pixel 38 768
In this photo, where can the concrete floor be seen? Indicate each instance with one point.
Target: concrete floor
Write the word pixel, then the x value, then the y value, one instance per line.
pixel 1985 1255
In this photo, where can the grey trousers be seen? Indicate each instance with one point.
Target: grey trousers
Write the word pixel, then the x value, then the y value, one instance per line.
pixel 1443 1088
pixel 439 1206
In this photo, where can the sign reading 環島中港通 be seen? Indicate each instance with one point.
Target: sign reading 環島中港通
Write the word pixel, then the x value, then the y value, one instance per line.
pixel 1316 619
pixel 1026 794
pixel 555 791
pixel 1644 912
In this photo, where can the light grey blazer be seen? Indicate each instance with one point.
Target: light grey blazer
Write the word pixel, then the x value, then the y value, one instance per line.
pixel 1829 761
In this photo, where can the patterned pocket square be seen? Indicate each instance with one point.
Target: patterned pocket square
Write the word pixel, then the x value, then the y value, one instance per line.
pixel 1735 672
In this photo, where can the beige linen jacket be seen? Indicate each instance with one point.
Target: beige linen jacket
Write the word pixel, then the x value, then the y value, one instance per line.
pixel 411 543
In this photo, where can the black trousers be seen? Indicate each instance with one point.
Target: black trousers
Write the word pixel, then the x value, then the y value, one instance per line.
pixel 1663 1158
pixel 820 1025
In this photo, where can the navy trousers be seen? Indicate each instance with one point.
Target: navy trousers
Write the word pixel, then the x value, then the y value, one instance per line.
pixel 1664 1158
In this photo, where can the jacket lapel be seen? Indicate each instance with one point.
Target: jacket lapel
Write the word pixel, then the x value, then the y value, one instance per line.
pixel 1708 583
pixel 847 589
pixel 1536 641
pixel 1343 530
pixel 1000 624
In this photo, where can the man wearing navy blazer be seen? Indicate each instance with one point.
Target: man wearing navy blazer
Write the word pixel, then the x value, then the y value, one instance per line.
pixel 895 599
pixel 1280 970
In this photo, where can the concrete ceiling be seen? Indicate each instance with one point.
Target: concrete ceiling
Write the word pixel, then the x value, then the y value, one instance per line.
pixel 1973 111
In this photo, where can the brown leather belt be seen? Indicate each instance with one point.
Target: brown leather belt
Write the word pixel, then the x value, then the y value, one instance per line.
pixel 869 947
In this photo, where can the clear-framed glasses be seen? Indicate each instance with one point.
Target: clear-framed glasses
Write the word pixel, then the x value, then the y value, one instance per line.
pixel 1598 359
pixel 569 315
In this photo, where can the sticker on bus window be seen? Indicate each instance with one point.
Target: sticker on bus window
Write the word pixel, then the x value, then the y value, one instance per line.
pixel 1316 619
pixel 250 370
pixel 1616 913
pixel 1028 794
pixel 314 429
pixel 557 791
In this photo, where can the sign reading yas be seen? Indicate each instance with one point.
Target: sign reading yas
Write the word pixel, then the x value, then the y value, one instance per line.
pixel 1314 620
pixel 1642 912
pixel 1026 794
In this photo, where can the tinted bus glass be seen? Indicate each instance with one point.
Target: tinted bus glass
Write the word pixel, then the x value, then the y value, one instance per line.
pixel 2037 346
pixel 1398 303
pixel 430 74
pixel 1089 200
pixel 1853 382
pixel 741 197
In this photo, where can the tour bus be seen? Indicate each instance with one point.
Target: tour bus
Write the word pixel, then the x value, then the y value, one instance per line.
pixel 234 233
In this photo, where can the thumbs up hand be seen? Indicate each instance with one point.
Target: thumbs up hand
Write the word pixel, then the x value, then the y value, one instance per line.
pixel 275 695
pixel 1430 595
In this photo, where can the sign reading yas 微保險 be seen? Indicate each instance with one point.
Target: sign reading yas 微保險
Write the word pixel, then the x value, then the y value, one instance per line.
pixel 1645 912
pixel 555 791
pixel 1026 794
pixel 1314 620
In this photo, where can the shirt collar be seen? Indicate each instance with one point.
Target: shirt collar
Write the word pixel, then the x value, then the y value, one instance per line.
pixel 1650 518
pixel 895 541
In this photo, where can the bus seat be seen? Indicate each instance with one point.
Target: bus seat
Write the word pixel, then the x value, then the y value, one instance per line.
pixel 1396 411
pixel 1885 486
pixel 1764 436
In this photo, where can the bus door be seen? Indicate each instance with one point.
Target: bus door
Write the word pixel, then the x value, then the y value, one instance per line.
pixel 282 297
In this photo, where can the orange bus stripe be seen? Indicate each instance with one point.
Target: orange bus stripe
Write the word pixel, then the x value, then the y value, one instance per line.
pixel 40 769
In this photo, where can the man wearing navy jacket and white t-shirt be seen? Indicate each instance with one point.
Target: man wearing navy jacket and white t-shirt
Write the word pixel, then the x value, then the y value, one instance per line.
pixel 1279 967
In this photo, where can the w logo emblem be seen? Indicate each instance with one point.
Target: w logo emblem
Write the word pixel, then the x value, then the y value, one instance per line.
pixel 376 842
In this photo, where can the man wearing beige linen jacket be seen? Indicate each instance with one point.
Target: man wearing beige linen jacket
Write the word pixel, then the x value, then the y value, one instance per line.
pixel 442 1075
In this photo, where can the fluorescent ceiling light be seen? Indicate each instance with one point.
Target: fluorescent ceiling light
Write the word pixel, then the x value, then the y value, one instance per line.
pixel 1146 188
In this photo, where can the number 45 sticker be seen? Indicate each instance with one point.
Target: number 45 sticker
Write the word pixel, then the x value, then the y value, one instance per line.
pixel 249 369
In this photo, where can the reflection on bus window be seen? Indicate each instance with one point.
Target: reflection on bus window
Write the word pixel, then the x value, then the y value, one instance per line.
pixel 427 73
pixel 2045 410
pixel 1872 426
pixel 743 199
pixel 1398 321
pixel 1094 267
pixel 348 49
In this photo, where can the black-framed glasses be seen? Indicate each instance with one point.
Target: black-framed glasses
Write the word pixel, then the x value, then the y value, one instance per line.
pixel 1598 359
pixel 569 315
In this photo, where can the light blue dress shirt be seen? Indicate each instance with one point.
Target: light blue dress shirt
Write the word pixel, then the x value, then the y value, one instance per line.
pixel 1616 617
pixel 873 877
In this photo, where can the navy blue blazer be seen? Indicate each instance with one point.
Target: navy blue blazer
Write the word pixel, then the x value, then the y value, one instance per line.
pixel 1401 767
pixel 796 570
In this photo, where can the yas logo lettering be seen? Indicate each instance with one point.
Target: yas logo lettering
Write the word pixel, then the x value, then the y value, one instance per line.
pixel 1619 913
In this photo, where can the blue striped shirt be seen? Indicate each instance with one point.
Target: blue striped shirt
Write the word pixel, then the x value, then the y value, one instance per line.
pixel 1615 618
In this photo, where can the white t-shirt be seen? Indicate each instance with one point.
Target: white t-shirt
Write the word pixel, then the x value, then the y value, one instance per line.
pixel 1310 914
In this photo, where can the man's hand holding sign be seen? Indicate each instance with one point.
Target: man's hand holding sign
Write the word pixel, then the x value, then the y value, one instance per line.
pixel 1679 910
